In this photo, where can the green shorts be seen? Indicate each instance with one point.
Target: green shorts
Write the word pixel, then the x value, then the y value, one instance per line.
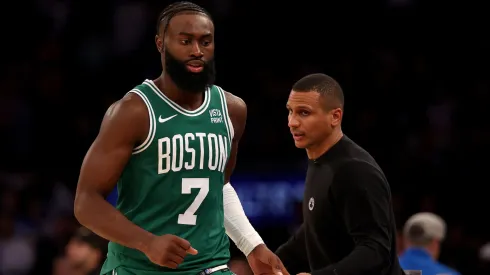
pixel 123 270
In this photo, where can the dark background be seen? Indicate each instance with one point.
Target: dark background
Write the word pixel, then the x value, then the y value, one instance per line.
pixel 415 78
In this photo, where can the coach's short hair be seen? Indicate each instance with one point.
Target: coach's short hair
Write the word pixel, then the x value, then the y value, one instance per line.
pixel 323 84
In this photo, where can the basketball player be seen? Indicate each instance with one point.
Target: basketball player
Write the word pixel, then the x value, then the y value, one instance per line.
pixel 170 144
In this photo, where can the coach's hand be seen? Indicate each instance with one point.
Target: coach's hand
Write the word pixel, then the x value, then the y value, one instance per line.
pixel 168 250
pixel 262 261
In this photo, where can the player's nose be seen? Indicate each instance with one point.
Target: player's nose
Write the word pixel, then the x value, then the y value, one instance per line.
pixel 196 51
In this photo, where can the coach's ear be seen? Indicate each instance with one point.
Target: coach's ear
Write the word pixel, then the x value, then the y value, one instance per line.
pixel 336 118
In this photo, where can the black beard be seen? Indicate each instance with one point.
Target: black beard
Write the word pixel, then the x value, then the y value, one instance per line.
pixel 186 80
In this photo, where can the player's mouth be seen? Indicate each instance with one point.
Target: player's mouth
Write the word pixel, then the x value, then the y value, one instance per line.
pixel 195 66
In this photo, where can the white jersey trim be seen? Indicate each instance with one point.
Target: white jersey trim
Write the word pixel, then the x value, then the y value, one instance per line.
pixel 231 130
pixel 151 133
pixel 204 106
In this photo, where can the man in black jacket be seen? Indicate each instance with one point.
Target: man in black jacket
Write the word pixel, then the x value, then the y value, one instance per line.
pixel 349 226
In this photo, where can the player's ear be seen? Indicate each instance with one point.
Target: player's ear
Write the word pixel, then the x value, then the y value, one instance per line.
pixel 159 43
pixel 336 114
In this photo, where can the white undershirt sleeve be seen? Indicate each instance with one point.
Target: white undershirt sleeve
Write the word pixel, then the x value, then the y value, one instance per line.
pixel 237 225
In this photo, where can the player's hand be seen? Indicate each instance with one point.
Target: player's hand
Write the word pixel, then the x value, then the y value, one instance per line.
pixel 262 261
pixel 169 250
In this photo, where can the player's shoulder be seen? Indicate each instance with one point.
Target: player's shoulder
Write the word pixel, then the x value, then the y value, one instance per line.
pixel 237 108
pixel 126 120
pixel 233 102
pixel 131 105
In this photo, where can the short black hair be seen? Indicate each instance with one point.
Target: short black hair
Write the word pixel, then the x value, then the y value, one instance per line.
pixel 173 9
pixel 322 84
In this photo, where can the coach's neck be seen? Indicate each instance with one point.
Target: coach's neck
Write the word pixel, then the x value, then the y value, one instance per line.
pixel 317 150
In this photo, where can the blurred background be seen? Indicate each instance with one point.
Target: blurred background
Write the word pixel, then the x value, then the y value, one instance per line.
pixel 415 78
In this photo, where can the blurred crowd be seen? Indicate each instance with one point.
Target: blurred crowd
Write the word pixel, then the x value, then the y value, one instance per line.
pixel 416 89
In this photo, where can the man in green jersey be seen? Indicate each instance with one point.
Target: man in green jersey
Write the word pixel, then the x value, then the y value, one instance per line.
pixel 170 145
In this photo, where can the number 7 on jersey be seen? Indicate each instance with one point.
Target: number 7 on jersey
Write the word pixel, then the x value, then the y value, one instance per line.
pixel 187 184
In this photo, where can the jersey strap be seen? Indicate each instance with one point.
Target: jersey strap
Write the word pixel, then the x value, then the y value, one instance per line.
pixel 151 133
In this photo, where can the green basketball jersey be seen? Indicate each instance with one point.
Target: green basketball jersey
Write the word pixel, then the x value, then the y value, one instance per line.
pixel 173 182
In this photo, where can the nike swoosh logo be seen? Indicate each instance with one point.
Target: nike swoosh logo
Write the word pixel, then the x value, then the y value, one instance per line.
pixel 162 120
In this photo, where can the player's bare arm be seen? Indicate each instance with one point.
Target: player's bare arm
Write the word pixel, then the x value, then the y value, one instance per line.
pixel 237 109
pixel 237 225
pixel 125 125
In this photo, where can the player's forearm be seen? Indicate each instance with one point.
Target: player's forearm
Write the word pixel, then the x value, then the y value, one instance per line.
pixel 95 213
pixel 237 225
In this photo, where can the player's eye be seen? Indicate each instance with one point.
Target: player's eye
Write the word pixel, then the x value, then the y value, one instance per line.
pixel 206 43
pixel 185 41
